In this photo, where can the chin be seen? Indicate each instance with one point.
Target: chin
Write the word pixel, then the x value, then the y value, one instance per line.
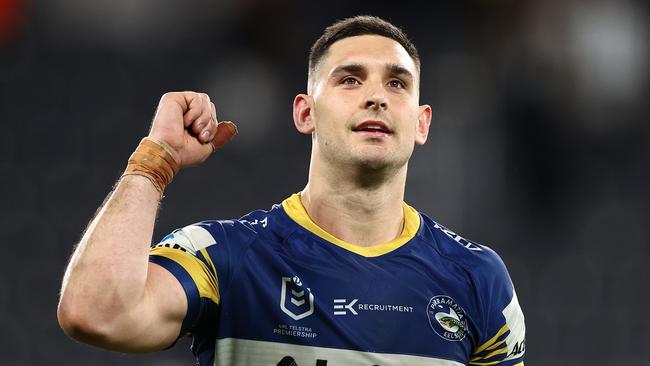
pixel 379 163
pixel 374 165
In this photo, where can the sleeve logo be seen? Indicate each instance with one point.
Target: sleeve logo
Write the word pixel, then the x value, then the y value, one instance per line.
pixel 447 318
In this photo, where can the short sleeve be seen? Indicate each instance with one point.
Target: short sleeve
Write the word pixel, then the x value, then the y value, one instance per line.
pixel 183 253
pixel 503 334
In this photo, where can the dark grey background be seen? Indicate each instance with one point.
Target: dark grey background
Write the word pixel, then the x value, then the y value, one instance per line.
pixel 539 146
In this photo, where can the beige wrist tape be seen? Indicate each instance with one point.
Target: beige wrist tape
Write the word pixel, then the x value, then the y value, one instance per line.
pixel 153 159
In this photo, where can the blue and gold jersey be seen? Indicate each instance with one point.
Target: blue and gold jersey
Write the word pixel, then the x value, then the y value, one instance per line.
pixel 273 288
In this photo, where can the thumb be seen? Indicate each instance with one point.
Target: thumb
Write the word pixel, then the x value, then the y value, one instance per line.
pixel 226 130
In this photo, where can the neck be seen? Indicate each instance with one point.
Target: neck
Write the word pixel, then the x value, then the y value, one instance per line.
pixel 363 208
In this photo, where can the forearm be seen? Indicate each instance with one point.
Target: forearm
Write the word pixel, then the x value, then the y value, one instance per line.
pixel 107 273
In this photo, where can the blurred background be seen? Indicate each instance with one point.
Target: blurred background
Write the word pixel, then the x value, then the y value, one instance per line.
pixel 539 146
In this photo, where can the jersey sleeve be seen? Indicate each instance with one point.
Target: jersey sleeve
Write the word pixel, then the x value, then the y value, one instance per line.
pixel 184 254
pixel 502 339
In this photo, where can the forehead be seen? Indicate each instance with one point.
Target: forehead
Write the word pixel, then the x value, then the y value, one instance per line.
pixel 366 50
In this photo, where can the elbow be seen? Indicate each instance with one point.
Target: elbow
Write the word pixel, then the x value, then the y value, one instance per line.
pixel 83 325
pixel 75 323
pixel 95 329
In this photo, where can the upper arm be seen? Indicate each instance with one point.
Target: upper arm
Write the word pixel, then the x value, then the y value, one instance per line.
pixel 164 307
pixel 182 286
pixel 152 324
pixel 181 289
pixel 504 341
pixel 503 333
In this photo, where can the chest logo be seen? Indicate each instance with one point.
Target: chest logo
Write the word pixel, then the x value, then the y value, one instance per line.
pixel 447 318
pixel 296 300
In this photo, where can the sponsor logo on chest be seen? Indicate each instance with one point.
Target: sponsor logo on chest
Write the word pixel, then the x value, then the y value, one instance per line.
pixel 354 307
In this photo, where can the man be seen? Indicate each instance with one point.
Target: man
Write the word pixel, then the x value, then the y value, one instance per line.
pixel 342 273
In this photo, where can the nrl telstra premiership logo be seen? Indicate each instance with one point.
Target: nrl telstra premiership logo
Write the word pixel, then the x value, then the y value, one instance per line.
pixel 296 300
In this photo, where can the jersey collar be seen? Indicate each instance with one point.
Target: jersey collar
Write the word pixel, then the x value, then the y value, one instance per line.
pixel 296 211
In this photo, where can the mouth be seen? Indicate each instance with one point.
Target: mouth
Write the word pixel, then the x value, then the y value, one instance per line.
pixel 374 128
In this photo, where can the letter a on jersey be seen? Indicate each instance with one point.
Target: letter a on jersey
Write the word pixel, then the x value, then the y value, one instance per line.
pixel 296 300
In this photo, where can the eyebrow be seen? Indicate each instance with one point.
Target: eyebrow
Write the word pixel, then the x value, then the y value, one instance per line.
pixel 393 69
pixel 348 69
pixel 398 70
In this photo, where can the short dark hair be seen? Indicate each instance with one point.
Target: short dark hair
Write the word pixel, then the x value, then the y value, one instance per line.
pixel 358 26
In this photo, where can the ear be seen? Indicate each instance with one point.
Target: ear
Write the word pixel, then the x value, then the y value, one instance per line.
pixel 302 118
pixel 424 121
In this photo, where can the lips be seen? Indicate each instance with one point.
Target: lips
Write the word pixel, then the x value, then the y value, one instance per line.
pixel 373 126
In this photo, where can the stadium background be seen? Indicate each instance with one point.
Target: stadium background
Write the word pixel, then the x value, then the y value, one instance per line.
pixel 539 146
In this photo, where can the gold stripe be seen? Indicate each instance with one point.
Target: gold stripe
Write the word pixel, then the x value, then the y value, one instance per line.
pixel 491 354
pixel 294 208
pixel 492 340
pixel 204 251
pixel 496 345
pixel 213 274
pixel 204 280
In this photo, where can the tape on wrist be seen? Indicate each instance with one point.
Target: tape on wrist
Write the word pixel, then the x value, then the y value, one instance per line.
pixel 153 159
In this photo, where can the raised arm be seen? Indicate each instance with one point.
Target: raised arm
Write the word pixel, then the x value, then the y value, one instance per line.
pixel 111 296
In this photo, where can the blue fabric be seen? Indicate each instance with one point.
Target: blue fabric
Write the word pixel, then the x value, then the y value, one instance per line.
pixel 396 303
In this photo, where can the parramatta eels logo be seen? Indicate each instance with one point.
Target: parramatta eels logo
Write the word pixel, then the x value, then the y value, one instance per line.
pixel 447 318
pixel 296 300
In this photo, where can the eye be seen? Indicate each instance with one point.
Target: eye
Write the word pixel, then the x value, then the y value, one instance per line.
pixel 399 84
pixel 349 81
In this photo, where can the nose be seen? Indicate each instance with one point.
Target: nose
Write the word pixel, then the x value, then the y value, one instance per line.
pixel 376 102
pixel 375 97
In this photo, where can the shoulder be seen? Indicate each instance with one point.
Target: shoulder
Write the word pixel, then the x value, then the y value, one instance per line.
pixel 501 320
pixel 481 266
pixel 477 259
pixel 194 237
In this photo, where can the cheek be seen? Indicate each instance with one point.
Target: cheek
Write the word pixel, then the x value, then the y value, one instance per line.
pixel 409 121
pixel 330 113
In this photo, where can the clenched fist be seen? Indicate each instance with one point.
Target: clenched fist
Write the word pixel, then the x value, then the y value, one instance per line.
pixel 187 122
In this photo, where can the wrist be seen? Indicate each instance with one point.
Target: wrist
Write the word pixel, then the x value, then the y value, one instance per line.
pixel 154 160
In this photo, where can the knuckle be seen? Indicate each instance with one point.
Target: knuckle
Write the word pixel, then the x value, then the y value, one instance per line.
pixel 203 116
pixel 191 115
pixel 165 97
pixel 170 97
